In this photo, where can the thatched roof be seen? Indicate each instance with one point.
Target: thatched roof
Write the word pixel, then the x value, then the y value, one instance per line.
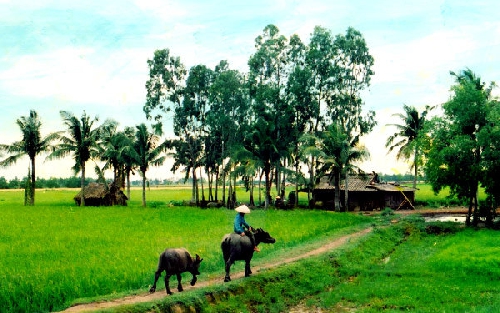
pixel 94 190
pixel 97 194
pixel 361 182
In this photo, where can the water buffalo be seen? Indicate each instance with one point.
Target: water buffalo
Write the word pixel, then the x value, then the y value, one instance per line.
pixel 176 261
pixel 235 247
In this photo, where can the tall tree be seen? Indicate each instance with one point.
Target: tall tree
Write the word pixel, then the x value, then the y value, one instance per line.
pixel 320 59
pixel 311 154
pixel 147 150
pixel 31 144
pixel 190 118
pixel 489 139
pixel 353 70
pixel 268 72
pixel 165 85
pixel 455 156
pixel 300 95
pixel 81 140
pixel 109 150
pixel 127 156
pixel 226 119
pixel 409 137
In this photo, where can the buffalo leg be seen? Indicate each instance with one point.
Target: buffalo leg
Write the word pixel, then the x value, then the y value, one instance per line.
pixel 157 275
pixel 229 262
pixel 167 287
pixel 247 268
pixel 179 285
pixel 193 281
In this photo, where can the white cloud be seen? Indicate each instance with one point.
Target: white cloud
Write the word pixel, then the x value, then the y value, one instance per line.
pixel 380 160
pixel 79 75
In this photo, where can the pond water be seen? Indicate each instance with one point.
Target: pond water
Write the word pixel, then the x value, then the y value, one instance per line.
pixel 459 218
pixel 446 218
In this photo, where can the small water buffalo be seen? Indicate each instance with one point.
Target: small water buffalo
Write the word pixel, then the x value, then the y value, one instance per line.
pixel 235 247
pixel 176 261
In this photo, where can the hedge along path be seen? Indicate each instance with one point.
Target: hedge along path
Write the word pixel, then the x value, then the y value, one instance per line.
pixel 159 294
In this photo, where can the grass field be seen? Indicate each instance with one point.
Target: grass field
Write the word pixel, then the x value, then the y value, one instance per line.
pixel 397 268
pixel 425 196
pixel 55 253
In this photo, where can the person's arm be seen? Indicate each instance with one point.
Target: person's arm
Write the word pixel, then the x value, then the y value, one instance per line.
pixel 245 224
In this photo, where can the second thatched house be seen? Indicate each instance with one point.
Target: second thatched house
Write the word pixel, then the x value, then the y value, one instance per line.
pixel 97 194
pixel 366 195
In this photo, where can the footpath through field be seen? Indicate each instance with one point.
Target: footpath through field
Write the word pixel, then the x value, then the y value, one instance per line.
pixel 147 297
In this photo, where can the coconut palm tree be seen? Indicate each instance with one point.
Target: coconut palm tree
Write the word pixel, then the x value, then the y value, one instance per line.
pixel 31 145
pixel 81 140
pixel 406 138
pixel 342 154
pixel 146 151
pixel 113 150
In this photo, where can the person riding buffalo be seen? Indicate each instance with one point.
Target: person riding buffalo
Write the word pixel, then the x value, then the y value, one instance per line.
pixel 241 227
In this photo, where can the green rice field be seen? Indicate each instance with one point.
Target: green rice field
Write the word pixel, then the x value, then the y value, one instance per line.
pixel 56 254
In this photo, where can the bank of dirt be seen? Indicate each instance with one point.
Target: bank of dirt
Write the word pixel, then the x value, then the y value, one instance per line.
pixel 147 297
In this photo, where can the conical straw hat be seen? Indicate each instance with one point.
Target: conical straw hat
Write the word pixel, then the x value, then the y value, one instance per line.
pixel 242 209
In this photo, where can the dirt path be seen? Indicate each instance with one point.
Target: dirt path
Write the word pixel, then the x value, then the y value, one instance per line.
pixel 147 297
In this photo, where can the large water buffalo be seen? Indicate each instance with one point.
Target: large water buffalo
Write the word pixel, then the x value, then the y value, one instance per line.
pixel 176 261
pixel 235 247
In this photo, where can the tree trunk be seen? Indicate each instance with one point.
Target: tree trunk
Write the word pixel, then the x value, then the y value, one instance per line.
pixel 230 204
pixel 260 188
pixel 346 198
pixel 82 183
pixel 128 184
pixel 210 180
pixel 469 213
pixel 337 204
pixel 193 186
pixel 267 172
pixel 202 190
pixel 415 168
pixel 143 188
pixel 252 201
pixel 216 186
pixel 223 185
pixel 33 181
pixel 296 200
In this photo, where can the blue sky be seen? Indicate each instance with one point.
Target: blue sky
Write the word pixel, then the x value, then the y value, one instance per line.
pixel 91 55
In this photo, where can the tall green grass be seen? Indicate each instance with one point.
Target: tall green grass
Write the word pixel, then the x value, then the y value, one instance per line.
pixel 54 253
pixel 455 273
pixel 399 268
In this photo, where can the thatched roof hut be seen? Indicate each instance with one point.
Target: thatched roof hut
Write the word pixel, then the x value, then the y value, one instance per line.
pixel 97 194
pixel 364 194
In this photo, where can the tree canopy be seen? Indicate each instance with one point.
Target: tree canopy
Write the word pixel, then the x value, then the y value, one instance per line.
pixel 460 156
pixel 291 89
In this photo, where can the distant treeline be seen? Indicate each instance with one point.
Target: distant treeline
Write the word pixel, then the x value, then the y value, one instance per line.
pixel 398 177
pixel 73 182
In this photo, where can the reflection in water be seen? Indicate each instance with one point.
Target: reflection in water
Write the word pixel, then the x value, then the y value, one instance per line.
pixel 446 218
pixel 452 218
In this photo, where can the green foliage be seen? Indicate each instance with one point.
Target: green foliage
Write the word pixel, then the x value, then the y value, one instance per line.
pixel 459 139
pixel 31 145
pixel 146 151
pixel 410 138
